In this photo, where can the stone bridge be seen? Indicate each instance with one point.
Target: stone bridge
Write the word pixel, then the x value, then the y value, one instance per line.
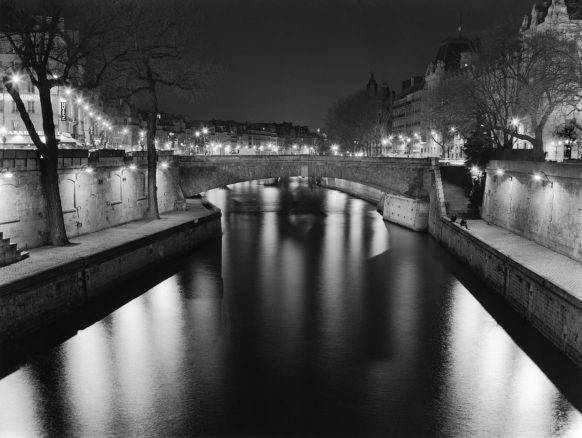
pixel 401 176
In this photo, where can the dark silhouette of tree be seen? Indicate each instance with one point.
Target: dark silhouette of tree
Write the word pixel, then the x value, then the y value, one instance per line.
pixel 160 56
pixel 49 53
pixel 447 113
pixel 357 122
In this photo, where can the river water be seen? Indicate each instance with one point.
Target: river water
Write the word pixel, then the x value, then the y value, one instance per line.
pixel 310 317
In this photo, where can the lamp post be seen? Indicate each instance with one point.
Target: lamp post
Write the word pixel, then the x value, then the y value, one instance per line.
pixel 196 141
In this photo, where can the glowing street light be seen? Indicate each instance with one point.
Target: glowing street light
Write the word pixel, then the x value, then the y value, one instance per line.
pixel 515 122
pixel 15 78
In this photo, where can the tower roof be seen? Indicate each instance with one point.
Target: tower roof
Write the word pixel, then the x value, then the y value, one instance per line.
pixel 449 51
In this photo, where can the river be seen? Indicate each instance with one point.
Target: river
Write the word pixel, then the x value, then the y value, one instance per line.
pixel 311 316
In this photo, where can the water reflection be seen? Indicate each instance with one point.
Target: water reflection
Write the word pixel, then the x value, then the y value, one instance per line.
pixel 311 317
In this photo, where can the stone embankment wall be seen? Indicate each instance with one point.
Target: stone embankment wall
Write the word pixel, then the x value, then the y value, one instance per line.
pixel 362 191
pixel 548 308
pixel 547 210
pixel 38 300
pixel 111 194
pixel 408 212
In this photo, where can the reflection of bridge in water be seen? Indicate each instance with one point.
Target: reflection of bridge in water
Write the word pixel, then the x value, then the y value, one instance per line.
pixel 402 176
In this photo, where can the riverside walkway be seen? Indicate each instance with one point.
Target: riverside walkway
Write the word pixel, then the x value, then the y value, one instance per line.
pixel 47 258
pixel 562 271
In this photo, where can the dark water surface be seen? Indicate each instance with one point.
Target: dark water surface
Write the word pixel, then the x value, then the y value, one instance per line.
pixel 312 316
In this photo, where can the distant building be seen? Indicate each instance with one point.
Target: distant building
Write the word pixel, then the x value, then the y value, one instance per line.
pixel 565 17
pixel 407 117
pixel 453 56
pixel 77 114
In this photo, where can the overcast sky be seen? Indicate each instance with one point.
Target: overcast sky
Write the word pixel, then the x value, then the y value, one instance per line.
pixel 289 60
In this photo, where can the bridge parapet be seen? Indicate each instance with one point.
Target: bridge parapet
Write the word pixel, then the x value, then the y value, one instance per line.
pixel 403 176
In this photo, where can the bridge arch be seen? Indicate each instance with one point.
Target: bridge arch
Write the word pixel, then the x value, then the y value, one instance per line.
pixel 402 176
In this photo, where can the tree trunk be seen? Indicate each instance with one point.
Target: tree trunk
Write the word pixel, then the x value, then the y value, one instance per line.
pixel 152 211
pixel 50 184
pixel 49 173
pixel 538 149
pixel 538 144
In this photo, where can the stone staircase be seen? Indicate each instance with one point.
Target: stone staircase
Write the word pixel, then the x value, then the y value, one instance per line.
pixel 456 201
pixel 9 253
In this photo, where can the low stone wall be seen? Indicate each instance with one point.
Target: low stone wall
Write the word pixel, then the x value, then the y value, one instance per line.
pixel 547 211
pixel 370 194
pixel 551 310
pixel 28 305
pixel 112 193
pixel 407 212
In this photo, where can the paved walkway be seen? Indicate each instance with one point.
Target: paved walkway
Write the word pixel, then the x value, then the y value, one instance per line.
pixel 558 269
pixel 49 257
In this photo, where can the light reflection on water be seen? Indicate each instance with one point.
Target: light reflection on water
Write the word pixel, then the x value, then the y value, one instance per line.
pixel 311 317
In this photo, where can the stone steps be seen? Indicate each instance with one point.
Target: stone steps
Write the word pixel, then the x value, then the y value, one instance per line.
pixel 9 253
pixel 457 203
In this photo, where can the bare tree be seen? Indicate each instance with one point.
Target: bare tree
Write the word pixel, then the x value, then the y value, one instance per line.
pixel 521 80
pixel 49 53
pixel 358 122
pixel 160 56
pixel 446 111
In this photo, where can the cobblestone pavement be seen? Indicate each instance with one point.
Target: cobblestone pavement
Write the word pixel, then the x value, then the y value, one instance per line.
pixel 49 257
pixel 560 270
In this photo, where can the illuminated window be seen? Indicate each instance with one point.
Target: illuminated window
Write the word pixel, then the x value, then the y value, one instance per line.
pixel 30 104
pixel 14 107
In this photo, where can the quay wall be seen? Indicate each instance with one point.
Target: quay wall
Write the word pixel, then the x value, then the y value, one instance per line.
pixel 110 194
pixel 30 304
pixel 556 314
pixel 547 210
pixel 411 213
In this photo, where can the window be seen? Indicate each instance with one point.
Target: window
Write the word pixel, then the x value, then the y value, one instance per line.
pixel 15 125
pixel 30 105
pixel 140 183
pixel 14 107
pixel 30 87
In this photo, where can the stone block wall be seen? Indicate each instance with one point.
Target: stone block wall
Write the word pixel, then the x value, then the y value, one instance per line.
pixel 553 312
pixel 408 212
pixel 547 211
pixel 111 194
pixel 30 304
pixel 370 194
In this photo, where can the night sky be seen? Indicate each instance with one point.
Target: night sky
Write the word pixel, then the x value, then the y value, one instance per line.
pixel 289 60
